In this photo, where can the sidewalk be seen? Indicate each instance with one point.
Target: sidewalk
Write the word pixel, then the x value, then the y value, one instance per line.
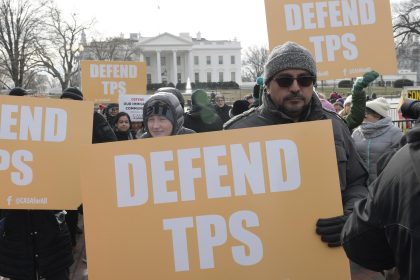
pixel 78 271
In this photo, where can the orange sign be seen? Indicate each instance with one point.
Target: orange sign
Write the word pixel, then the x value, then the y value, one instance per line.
pixel 346 38
pixel 237 204
pixel 39 145
pixel 104 81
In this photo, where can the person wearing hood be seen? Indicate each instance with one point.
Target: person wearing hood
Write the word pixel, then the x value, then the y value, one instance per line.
pixel 163 116
pixel 202 117
pixel 376 135
pixel 110 111
pixel 290 74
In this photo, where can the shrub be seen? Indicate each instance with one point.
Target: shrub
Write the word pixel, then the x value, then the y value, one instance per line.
pixel 345 84
pixel 403 83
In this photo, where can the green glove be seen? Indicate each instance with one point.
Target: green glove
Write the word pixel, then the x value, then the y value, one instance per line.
pixel 363 82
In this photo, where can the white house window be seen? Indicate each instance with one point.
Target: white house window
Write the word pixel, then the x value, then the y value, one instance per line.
pixel 232 76
pixel 148 60
pixel 232 59
pixel 196 77
pixel 208 60
pixel 220 59
pixel 220 76
pixel 208 77
pixel 196 60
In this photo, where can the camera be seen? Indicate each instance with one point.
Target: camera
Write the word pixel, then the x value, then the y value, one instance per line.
pixel 411 109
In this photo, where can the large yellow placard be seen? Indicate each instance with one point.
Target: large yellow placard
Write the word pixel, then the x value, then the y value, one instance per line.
pixel 347 38
pixel 238 204
pixel 105 81
pixel 39 147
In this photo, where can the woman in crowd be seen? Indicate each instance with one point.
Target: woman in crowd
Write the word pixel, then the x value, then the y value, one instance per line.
pixel 376 135
pixel 163 116
pixel 122 127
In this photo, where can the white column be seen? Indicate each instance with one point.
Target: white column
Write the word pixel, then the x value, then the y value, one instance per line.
pixel 141 57
pixel 190 66
pixel 174 69
pixel 158 70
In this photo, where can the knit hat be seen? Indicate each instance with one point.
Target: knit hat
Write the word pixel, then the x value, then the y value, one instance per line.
pixel 158 108
pixel 379 105
pixel 288 56
pixel 239 106
pixel 72 93
pixel 340 102
pixel 348 100
pixel 18 91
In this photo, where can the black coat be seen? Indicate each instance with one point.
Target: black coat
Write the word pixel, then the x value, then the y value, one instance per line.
pixel 223 112
pixel 384 229
pixel 33 239
pixel 203 120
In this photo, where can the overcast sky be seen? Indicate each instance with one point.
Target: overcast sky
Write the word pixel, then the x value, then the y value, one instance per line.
pixel 215 19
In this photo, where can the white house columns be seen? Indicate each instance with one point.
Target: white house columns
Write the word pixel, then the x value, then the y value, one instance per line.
pixel 174 69
pixel 190 66
pixel 158 69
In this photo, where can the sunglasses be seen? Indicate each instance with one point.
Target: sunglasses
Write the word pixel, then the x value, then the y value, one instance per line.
pixel 287 81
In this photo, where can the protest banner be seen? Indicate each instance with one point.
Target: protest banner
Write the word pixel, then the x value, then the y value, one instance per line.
pixel 411 93
pixel 237 204
pixel 133 106
pixel 105 81
pixel 347 38
pixel 39 152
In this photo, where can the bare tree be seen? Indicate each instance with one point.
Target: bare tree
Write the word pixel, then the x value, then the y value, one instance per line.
pixel 406 20
pixel 253 62
pixel 60 53
pixel 113 49
pixel 21 22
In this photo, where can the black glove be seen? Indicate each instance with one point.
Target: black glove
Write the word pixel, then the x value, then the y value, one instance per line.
pixel 330 230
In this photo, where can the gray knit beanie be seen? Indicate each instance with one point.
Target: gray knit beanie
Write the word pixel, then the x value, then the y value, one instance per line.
pixel 288 56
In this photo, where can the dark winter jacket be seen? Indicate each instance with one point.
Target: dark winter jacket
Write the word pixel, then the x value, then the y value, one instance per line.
pixel 223 112
pixel 102 131
pixel 352 172
pixel 202 116
pixel 33 238
pixel 384 229
pixel 177 113
pixel 123 136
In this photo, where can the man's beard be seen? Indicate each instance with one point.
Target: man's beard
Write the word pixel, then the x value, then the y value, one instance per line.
pixel 294 112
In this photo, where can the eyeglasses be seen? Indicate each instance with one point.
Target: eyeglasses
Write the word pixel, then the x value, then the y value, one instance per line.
pixel 287 81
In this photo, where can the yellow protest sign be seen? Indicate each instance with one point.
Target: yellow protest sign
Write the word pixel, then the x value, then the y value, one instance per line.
pixel 411 93
pixel 347 38
pixel 104 81
pixel 39 148
pixel 238 204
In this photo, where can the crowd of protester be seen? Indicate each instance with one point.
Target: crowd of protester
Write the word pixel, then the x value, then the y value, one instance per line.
pixel 380 225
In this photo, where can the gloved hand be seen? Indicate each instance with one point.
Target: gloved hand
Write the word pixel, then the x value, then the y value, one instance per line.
pixel 363 82
pixel 330 230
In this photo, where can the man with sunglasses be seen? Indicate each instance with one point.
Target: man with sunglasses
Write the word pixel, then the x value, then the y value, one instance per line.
pixel 290 74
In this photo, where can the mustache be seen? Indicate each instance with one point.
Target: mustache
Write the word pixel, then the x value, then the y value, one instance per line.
pixel 294 96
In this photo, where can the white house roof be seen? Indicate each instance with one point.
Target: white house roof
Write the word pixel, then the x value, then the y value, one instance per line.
pixel 165 39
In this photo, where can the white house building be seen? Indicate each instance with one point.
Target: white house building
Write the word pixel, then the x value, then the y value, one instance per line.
pixel 174 59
